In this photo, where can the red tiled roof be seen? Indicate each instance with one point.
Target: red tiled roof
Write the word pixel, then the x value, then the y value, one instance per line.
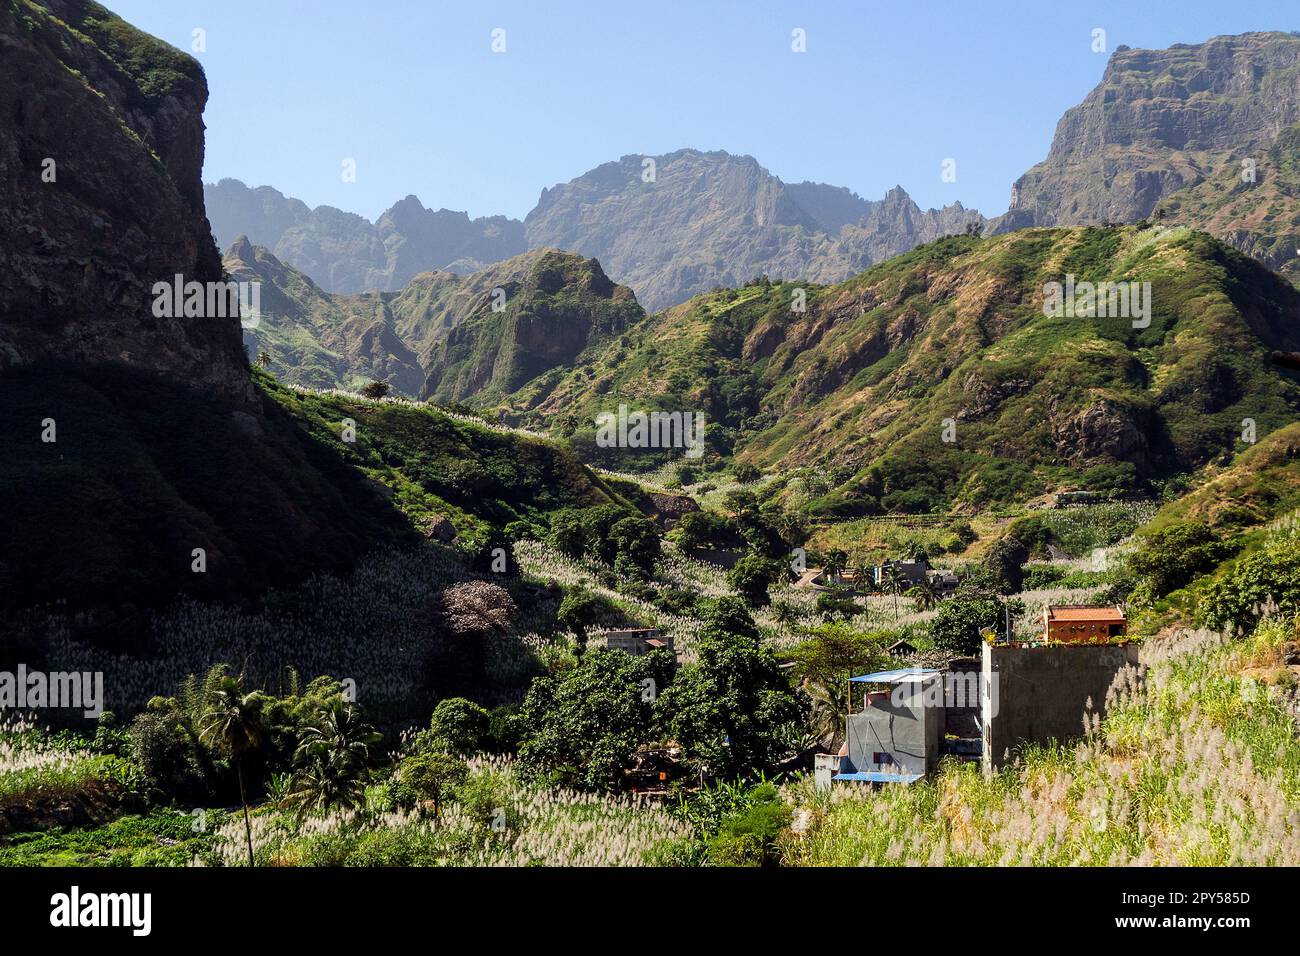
pixel 1074 612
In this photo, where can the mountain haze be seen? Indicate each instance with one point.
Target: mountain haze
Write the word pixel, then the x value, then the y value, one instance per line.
pixel 344 252
pixel 708 219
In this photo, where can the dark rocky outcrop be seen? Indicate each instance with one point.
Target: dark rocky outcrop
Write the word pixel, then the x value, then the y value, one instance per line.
pixel 101 146
pixel 134 444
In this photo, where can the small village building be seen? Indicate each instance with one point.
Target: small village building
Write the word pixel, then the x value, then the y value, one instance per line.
pixel 913 572
pixel 638 640
pixel 976 709
pixel 896 736
pixel 944 582
pixel 1083 624
pixel 900 649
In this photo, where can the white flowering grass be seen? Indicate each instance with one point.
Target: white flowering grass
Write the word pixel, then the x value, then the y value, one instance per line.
pixel 1197 767
pixel 533 826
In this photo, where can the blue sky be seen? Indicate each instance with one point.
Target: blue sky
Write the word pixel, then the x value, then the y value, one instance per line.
pixel 885 92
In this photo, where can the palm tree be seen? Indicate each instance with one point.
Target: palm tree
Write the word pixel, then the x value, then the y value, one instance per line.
pixel 835 562
pixel 924 595
pixel 895 583
pixel 232 721
pixel 333 755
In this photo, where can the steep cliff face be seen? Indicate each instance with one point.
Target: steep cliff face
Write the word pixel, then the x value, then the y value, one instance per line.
pixel 1162 121
pixel 134 444
pixel 714 219
pixel 101 146
pixel 343 252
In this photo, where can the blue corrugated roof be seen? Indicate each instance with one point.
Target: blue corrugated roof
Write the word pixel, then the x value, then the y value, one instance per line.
pixel 875 776
pixel 893 677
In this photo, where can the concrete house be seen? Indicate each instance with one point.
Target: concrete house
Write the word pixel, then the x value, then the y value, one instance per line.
pixel 944 582
pixel 983 709
pixel 895 738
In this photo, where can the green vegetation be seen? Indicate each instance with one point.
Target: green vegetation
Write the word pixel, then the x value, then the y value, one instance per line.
pixel 1135 792
pixel 1131 407
pixel 432 464
pixel 143 471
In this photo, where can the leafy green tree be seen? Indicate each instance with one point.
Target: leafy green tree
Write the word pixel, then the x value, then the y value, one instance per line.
pixel 726 617
pixel 733 709
pixel 581 610
pixel 1170 557
pixel 1111 478
pixel 232 722
pixel 693 530
pixel 751 576
pixel 375 389
pixel 961 622
pixel 636 546
pixel 742 503
pixel 581 727
pixel 567 533
pixel 1035 533
pixel 458 726
pixel 433 776
pixel 824 663
pixel 1267 579
pixel 1004 565
pixel 745 473
pixel 598 525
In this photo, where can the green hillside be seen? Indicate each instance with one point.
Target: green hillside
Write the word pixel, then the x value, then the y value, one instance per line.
pixel 142 472
pixel 861 385
pixel 1260 216
pixel 446 337
pixel 430 464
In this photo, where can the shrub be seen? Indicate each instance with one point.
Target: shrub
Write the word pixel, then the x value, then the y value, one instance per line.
pixel 1171 557
pixel 748 838
pixel 960 623
pixel 459 726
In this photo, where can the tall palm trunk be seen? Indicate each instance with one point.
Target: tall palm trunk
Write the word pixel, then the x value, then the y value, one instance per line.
pixel 248 824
